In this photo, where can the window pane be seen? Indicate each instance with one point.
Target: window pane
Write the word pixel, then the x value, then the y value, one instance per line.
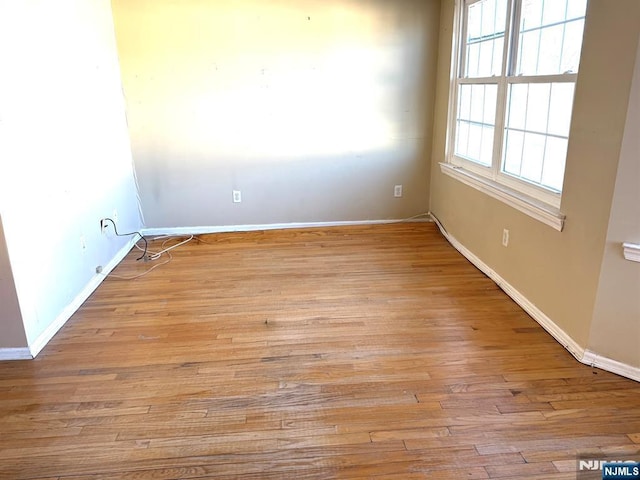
pixel 538 107
pixel 474 21
pixel 531 14
pixel 464 102
pixel 537 127
pixel 517 108
pixel 528 53
pixel 560 108
pixel 496 69
pixel 514 144
pixel 476 122
pixel 473 54
pixel 554 161
pixel 488 18
pixel 486 59
pixel 462 138
pixel 550 40
pixel 576 9
pixel 477 102
pixel 550 37
pixel 572 46
pixel 501 15
pixel 490 99
pixel 484 43
pixel 475 142
pixel 532 157
pixel 554 11
pixel 486 149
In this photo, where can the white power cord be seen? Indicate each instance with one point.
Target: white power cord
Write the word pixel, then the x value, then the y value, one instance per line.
pixel 133 277
pixel 156 255
pixel 153 256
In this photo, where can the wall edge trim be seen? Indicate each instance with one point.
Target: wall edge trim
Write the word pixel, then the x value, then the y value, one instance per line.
pixel 22 353
pixel 45 337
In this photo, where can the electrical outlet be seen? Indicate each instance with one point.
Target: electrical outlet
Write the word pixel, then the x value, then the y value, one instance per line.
pixel 505 237
pixel 104 225
pixel 237 196
pixel 83 243
pixel 397 191
pixel 114 217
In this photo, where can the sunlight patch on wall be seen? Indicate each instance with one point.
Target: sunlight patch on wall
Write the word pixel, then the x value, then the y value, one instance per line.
pixel 245 81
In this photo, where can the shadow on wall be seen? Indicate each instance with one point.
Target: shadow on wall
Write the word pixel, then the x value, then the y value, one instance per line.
pixel 218 91
pixel 269 186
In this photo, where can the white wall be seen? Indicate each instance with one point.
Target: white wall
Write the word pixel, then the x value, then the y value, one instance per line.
pixel 615 329
pixel 64 152
pixel 314 109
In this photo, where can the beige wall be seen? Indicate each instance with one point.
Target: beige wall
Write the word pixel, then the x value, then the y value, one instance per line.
pixel 615 329
pixel 314 109
pixel 557 271
pixel 11 329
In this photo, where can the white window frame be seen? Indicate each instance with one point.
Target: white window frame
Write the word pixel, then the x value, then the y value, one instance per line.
pixel 537 201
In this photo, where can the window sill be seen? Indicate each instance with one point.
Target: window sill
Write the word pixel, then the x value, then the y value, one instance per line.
pixel 535 209
pixel 631 252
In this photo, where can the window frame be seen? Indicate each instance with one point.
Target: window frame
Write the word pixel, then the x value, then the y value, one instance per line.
pixel 538 197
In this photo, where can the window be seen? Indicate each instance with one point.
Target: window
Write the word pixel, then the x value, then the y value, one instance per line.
pixel 516 68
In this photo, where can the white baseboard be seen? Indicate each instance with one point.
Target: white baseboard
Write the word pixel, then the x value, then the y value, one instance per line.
pixel 581 354
pixel 39 343
pixel 15 354
pixel 202 230
pixel 538 315
pixel 610 365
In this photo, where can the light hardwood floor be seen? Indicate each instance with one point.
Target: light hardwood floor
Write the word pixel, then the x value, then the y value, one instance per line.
pixel 352 352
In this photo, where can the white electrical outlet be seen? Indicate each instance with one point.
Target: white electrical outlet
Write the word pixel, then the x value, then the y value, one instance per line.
pixel 83 243
pixel 505 237
pixel 397 191
pixel 114 217
pixel 237 196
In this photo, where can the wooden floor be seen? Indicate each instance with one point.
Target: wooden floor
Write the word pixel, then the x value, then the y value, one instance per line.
pixel 355 352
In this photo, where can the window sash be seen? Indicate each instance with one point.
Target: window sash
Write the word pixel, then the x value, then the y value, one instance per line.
pixel 496 171
pixel 461 56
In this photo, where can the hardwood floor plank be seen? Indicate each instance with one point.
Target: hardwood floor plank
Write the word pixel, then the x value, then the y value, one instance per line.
pixel 408 434
pixel 557 444
pixel 543 476
pixel 529 470
pixel 347 352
